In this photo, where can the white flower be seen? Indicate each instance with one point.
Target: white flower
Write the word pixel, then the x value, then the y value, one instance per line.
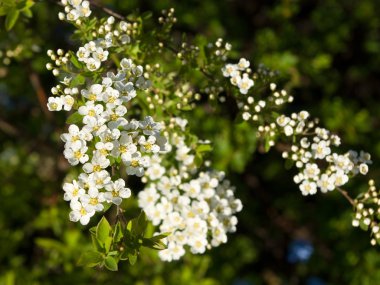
pixel 73 15
pixel 93 200
pixel 76 156
pixel 95 93
pixel 311 171
pixel 123 146
pixel 198 245
pixel 104 148
pixel 135 163
pixel 148 145
pixel 74 138
pixel 54 104
pixel 320 149
pixel 288 130
pixel 68 102
pixel 363 168
pixel 155 171
pixel 98 162
pixel 100 54
pixel 80 212
pixel 244 83
pixel 340 178
pixel 90 110
pixel 84 9
pixel 326 183
pixel 282 120
pixel 192 189
pixel 126 63
pixel 72 191
pixel 243 64
pixel 83 54
pixel 94 125
pixel 99 179
pixel 93 64
pixel 230 70
pixel 148 197
pixel 308 188
pixel 116 192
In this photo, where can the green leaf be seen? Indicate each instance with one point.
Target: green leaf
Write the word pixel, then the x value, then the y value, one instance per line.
pixel 110 263
pixel 11 19
pixel 132 258
pixel 146 15
pixel 74 60
pixel 363 226
pixel 118 233
pixel 139 225
pixel 203 148
pixel 78 80
pixel 198 160
pixel 154 244
pixel 90 258
pixel 107 244
pixel 155 241
pixel 96 243
pixel 27 13
pixel 74 118
pixel 103 230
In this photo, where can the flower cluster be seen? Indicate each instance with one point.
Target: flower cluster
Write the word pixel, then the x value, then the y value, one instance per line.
pixel 95 52
pixel 198 212
pixel 105 136
pixel 239 75
pixel 367 211
pixel 75 9
pixel 319 166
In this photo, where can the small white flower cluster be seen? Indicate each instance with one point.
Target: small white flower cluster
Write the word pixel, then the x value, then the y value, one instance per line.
pixel 252 107
pixel 367 211
pixel 239 75
pixel 108 34
pixel 106 136
pixel 75 9
pixel 198 212
pixel 93 53
pixel 58 59
pixel 319 166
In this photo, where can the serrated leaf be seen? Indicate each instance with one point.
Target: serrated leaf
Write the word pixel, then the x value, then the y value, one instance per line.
pixel 103 230
pixel 11 19
pixel 74 118
pixel 90 258
pixel 110 263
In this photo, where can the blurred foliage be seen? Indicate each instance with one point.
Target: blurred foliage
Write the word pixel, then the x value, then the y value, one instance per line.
pixel 327 53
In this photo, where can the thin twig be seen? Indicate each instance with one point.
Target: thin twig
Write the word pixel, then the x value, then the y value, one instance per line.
pixel 108 11
pixel 8 128
pixel 40 92
pixel 345 195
